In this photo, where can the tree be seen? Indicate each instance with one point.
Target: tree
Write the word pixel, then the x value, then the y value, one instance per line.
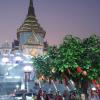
pixel 75 59
pixel 42 65
pixel 90 58
pixel 69 52
pixel 46 64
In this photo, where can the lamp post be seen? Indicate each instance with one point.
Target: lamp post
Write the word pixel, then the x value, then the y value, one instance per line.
pixel 27 70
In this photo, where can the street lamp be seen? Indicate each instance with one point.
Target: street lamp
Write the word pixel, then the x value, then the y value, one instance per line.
pixel 27 70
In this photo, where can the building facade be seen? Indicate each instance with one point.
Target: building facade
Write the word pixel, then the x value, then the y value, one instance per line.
pixel 30 34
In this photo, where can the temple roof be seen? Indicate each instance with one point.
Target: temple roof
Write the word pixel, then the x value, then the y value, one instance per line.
pixel 31 24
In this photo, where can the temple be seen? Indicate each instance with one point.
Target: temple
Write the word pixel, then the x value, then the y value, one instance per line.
pixel 30 34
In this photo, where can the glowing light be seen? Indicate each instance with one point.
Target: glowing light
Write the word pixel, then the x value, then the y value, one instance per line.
pixel 5 60
pixel 27 62
pixel 93 89
pixel 17 86
pixel 9 77
pixel 34 52
pixel 17 77
pixel 13 77
pixel 18 58
pixel 27 56
pixel 28 68
pixel 53 70
pixel 12 55
pixel 22 86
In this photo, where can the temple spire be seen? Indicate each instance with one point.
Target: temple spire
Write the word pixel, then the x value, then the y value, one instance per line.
pixel 31 11
pixel 31 24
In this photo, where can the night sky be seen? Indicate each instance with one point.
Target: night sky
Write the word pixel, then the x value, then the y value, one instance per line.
pixel 58 17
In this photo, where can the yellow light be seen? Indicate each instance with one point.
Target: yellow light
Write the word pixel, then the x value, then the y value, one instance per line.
pixel 34 52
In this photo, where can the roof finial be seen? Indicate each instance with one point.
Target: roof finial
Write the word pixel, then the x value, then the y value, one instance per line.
pixel 31 11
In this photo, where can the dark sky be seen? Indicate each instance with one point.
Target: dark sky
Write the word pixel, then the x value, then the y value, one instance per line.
pixel 58 17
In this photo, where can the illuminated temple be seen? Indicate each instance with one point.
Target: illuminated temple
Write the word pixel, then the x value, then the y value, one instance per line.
pixel 31 35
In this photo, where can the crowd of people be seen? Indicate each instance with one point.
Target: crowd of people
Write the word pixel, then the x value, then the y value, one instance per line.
pixel 66 92
pixel 42 95
pixel 93 93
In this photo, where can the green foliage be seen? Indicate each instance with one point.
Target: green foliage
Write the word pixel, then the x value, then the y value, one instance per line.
pixel 90 58
pixel 42 65
pixel 69 52
pixel 46 63
pixel 73 52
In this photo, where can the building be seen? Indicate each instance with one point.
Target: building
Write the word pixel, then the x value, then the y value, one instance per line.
pixel 31 35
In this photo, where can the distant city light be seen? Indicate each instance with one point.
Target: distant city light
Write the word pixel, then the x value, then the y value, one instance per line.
pixel 28 68
pixel 5 60
pixel 17 86
pixel 17 77
pixel 27 62
pixel 18 58
pixel 13 77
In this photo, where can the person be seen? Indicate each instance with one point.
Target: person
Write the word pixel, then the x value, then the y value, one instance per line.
pixel 47 97
pixel 39 94
pixel 93 95
pixel 58 96
pixel 65 95
pixel 73 96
